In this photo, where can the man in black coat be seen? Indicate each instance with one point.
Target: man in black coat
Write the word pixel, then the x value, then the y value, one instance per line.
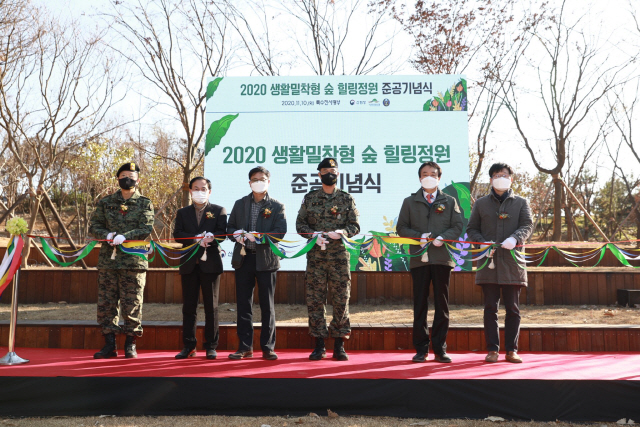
pixel 252 216
pixel 201 223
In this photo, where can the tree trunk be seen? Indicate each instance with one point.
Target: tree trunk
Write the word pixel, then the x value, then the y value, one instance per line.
pixel 186 197
pixel 34 207
pixel 557 209
pixel 568 218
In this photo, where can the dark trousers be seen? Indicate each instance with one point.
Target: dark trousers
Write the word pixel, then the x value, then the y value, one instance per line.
pixel 511 296
pixel 246 277
pixel 439 275
pixel 191 285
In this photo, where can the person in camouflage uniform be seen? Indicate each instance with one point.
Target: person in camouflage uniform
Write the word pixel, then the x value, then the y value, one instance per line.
pixel 123 215
pixel 328 213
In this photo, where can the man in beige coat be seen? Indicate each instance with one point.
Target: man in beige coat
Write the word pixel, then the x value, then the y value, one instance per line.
pixel 504 218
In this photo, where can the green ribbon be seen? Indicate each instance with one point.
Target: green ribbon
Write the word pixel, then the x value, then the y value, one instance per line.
pixel 276 250
pixel 155 249
pixel 49 253
pixel 619 255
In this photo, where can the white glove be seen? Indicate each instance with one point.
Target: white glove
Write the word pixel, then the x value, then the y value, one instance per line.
pixel 423 239
pixel 238 235
pixel 119 239
pixel 438 242
pixel 250 237
pixel 110 237
pixel 486 245
pixel 509 243
pixel 335 235
pixel 321 240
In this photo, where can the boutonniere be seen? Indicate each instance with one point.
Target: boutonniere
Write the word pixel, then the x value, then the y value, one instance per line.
pixel 210 215
pixel 440 208
pixel 124 209
pixel 503 215
pixel 334 211
pixel 266 212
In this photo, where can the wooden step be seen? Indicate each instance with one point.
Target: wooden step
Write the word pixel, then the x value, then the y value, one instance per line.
pixel 547 286
pixel 168 336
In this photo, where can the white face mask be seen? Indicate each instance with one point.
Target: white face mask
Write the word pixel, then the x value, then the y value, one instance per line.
pixel 429 182
pixel 501 184
pixel 259 186
pixel 199 197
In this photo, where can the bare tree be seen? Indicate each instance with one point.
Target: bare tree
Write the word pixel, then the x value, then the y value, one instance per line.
pixel 456 36
pixel 56 90
pixel 253 22
pixel 327 42
pixel 175 46
pixel 574 75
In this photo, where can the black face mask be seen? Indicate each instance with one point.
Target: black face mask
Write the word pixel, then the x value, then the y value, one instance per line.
pixel 329 178
pixel 126 183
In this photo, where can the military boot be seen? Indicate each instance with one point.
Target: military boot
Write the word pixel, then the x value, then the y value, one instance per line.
pixel 109 349
pixel 319 352
pixel 130 348
pixel 338 350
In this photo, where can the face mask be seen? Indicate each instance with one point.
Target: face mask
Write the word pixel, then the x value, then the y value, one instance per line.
pixel 429 182
pixel 259 186
pixel 329 178
pixel 501 184
pixel 126 183
pixel 199 197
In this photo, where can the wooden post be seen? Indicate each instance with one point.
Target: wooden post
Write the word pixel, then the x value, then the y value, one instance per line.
pixel 584 210
pixel 48 227
pixel 42 254
pixel 64 229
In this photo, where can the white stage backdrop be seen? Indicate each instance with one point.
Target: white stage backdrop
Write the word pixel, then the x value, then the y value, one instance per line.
pixel 379 128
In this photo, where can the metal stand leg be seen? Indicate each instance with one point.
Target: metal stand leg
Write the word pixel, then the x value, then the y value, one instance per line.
pixel 11 358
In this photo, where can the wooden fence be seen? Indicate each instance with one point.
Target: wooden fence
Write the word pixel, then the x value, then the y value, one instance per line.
pixel 547 286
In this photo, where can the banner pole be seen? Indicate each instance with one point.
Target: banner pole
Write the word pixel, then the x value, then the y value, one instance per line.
pixel 11 358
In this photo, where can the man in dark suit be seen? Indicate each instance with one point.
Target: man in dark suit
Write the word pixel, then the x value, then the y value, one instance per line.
pixel 201 223
pixel 260 214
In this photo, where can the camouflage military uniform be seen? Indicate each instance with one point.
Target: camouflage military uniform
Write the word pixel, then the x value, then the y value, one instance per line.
pixel 329 268
pixel 121 280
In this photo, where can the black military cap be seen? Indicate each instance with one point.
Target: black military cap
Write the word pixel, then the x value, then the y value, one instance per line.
pixel 133 167
pixel 329 162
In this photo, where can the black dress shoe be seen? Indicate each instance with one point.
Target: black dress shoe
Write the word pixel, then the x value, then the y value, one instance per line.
pixel 241 354
pixel 420 357
pixel 211 354
pixel 269 355
pixel 442 357
pixel 186 352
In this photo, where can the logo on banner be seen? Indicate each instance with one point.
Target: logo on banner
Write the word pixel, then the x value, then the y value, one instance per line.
pixel 374 103
pixel 386 102
pixel 352 102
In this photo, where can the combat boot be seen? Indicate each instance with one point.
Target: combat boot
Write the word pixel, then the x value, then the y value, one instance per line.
pixel 130 348
pixel 109 349
pixel 338 350
pixel 319 352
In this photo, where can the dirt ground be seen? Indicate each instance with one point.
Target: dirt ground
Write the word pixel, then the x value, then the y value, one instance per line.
pixel 459 314
pixel 310 420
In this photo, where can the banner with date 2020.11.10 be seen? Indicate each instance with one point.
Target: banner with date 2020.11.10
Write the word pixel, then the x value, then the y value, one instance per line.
pixel 379 128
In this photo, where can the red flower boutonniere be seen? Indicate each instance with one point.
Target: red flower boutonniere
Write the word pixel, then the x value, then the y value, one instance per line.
pixel 440 208
pixel 124 209
pixel 503 215
pixel 210 215
pixel 266 213
pixel 334 211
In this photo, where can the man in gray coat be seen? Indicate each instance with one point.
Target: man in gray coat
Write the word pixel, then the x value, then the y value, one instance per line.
pixel 503 217
pixel 430 213
pixel 251 216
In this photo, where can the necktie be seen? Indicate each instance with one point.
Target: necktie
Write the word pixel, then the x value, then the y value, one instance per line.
pixel 429 198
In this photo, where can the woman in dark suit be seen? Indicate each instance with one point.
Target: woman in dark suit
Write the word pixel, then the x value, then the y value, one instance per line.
pixel 201 223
